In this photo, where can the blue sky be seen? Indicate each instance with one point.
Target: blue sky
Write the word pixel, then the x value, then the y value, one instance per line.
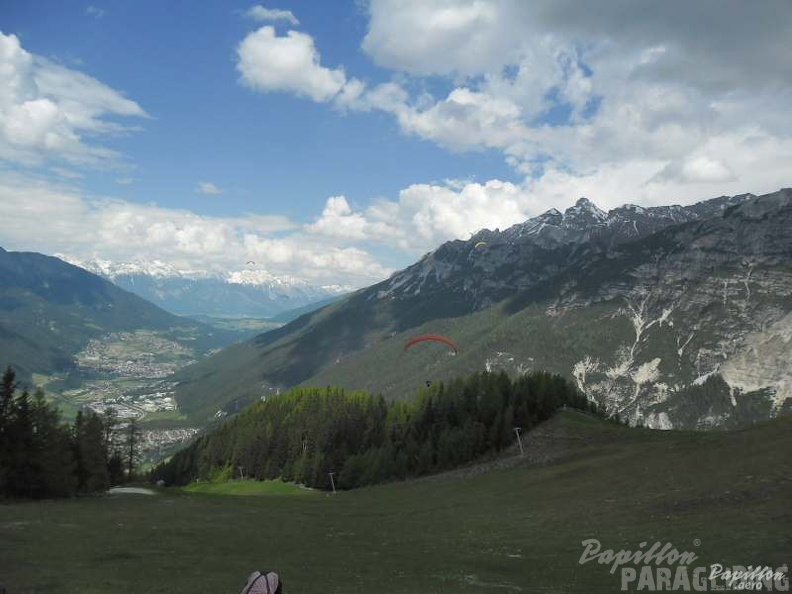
pixel 338 141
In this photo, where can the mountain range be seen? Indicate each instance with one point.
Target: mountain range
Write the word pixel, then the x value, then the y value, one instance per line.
pixel 248 292
pixel 677 316
pixel 51 310
pixel 673 316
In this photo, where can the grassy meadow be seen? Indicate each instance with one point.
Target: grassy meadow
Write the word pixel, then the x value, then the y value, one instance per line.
pixel 513 525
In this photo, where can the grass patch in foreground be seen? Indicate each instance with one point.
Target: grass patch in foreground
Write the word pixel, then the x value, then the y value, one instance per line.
pixel 723 496
pixel 249 487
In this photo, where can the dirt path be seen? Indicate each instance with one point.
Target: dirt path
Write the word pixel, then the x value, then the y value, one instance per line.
pixel 131 491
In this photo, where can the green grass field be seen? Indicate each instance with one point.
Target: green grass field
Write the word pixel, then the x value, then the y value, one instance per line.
pixel 250 487
pixel 723 496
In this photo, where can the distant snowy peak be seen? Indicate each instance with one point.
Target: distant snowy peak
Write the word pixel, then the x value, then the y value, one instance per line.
pixel 112 270
pixel 248 292
pixel 262 278
pixel 156 269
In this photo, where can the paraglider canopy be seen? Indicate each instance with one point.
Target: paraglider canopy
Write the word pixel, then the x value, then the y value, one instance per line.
pixel 480 243
pixel 435 337
pixel 250 262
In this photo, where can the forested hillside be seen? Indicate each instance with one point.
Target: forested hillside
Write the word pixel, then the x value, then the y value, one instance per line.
pixel 42 457
pixel 306 434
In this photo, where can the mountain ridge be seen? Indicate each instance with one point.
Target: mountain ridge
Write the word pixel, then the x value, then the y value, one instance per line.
pixel 595 300
pixel 247 292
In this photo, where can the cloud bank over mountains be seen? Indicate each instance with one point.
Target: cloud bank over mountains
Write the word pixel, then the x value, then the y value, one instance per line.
pixel 643 102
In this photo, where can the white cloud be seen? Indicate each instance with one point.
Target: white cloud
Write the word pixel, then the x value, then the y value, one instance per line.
pixel 762 160
pixel 628 102
pixel 322 262
pixel 438 37
pixel 338 220
pixel 50 218
pixel 67 173
pixel 291 63
pixel 724 44
pixel 95 12
pixel 259 13
pixel 466 120
pixel 208 188
pixel 696 169
pixel 425 215
pixel 47 111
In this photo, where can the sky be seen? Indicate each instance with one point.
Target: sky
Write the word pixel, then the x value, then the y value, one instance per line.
pixel 337 142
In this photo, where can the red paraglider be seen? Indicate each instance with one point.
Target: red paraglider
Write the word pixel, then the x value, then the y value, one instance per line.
pixel 435 337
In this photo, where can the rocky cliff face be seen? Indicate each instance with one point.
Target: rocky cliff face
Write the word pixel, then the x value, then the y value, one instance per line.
pixel 699 300
pixel 709 303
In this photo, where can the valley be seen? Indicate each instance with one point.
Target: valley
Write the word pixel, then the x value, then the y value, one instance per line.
pixel 126 373
pixel 670 317
pixel 390 297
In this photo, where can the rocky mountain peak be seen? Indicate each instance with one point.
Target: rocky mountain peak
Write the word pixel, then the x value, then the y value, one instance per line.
pixel 584 212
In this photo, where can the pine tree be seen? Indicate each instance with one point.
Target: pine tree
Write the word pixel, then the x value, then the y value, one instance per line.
pixel 132 448
pixel 23 474
pixel 91 454
pixel 53 448
pixel 7 389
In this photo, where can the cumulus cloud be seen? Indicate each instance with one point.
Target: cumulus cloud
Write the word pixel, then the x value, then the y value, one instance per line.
pixel 663 101
pixel 714 43
pixel 425 215
pixel 642 81
pixel 120 230
pixel 437 37
pixel 259 13
pixel 49 112
pixel 268 62
pixel 338 220
pixel 208 188
pixel 696 169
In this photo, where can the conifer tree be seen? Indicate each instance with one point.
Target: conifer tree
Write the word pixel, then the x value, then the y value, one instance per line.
pixel 89 437
pixel 7 388
pixel 132 448
pixel 53 449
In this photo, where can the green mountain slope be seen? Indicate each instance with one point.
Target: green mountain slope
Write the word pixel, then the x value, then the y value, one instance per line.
pixel 640 322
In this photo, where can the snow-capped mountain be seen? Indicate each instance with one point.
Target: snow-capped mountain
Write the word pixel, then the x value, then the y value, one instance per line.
pixel 236 293
pixel 527 254
pixel 585 222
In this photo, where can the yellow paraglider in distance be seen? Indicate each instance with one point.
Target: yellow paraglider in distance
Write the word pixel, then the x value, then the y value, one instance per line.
pixel 480 243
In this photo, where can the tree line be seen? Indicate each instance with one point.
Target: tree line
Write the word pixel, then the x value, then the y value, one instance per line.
pixel 42 456
pixel 307 433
